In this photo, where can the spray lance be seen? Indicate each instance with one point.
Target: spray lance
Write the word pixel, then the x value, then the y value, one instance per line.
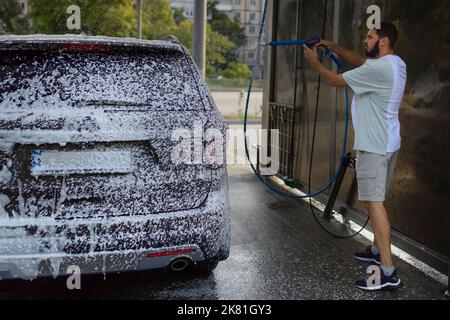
pixel 310 43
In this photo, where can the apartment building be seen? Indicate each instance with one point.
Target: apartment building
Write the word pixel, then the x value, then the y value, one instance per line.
pixel 186 5
pixel 248 13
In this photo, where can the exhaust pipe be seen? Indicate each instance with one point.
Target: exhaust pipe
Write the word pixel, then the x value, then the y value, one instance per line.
pixel 180 264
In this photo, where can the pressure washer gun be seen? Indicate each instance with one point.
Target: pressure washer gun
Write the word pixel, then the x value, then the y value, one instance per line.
pixel 310 43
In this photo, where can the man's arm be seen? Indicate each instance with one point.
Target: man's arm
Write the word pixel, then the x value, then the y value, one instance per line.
pixel 333 79
pixel 351 57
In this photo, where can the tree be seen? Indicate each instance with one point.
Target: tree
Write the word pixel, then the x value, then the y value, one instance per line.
pixel 100 17
pixel 221 23
pixel 118 18
pixel 178 15
pixel 236 70
pixel 11 20
pixel 105 17
pixel 231 29
pixel 184 33
pixel 158 19
pixel 216 45
pixel 221 58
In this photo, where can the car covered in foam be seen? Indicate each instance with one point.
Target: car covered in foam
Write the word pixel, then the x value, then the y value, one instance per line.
pixel 87 176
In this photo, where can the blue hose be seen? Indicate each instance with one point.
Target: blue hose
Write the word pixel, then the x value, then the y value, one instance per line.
pixel 340 66
pixel 310 42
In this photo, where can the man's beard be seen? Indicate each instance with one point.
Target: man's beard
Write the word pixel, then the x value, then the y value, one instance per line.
pixel 373 53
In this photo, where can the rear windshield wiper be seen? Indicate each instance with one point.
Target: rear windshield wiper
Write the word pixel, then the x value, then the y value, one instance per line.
pixel 113 103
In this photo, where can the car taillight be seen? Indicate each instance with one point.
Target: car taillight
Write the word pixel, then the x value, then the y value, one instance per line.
pixel 169 253
pixel 79 47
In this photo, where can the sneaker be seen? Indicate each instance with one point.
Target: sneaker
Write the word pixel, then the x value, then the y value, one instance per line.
pixel 368 256
pixel 385 283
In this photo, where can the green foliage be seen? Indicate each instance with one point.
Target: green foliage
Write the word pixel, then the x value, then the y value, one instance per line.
pixel 184 33
pixel 221 23
pixel 119 18
pixel 216 45
pixel 104 17
pixel 100 17
pixel 223 37
pixel 178 15
pixel 236 70
pixel 158 20
pixel 10 18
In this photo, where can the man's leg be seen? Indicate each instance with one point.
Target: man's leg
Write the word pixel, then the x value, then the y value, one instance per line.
pixel 374 247
pixel 382 230
pixel 374 176
pixel 375 242
pixel 388 279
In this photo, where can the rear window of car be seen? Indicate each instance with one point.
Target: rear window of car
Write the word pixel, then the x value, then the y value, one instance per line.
pixel 158 81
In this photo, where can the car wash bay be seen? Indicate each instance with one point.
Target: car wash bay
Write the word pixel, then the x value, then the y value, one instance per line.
pixel 277 252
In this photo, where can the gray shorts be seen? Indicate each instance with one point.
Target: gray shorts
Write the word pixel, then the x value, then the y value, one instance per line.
pixel 374 173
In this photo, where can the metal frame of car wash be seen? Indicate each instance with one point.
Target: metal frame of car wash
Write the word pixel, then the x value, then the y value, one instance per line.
pixel 419 200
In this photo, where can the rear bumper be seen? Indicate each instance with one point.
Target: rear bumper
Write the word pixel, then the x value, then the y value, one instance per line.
pixel 54 265
pixel 115 244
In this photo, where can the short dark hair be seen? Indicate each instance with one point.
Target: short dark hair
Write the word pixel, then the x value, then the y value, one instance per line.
pixel 390 31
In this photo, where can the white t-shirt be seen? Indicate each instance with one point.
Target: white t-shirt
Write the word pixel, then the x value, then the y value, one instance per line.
pixel 379 85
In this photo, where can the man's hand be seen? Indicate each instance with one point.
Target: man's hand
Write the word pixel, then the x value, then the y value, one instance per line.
pixel 352 57
pixel 311 55
pixel 331 45
pixel 335 80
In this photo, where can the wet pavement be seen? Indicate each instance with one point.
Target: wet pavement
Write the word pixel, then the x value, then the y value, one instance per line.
pixel 278 252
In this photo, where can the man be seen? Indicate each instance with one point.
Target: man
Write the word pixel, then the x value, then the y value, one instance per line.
pixel 378 84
